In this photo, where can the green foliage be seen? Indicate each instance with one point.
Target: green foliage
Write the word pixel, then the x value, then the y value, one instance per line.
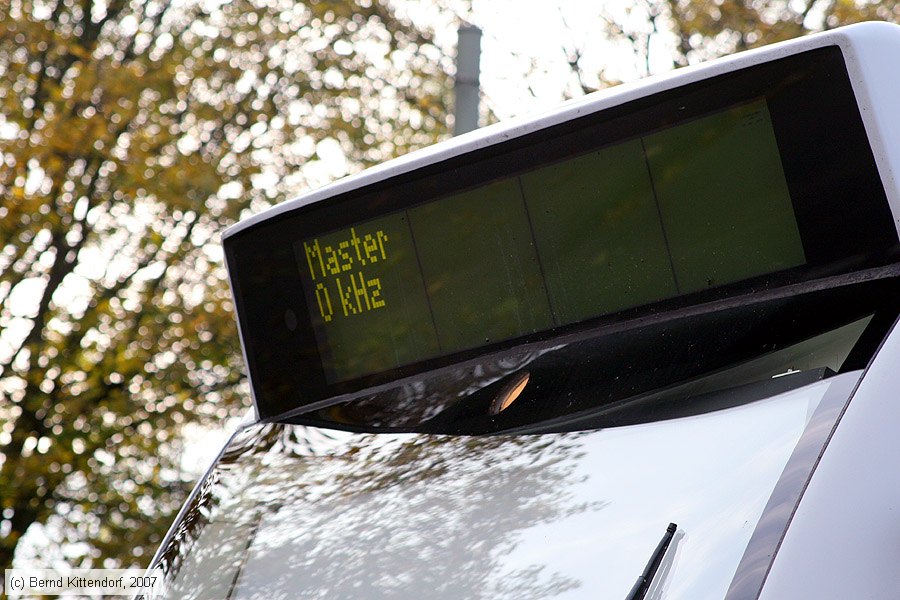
pixel 131 133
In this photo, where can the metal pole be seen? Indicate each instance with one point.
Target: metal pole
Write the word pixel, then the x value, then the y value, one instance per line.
pixel 466 87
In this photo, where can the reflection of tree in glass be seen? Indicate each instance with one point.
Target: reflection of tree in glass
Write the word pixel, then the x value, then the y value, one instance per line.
pixel 397 516
pixel 188 554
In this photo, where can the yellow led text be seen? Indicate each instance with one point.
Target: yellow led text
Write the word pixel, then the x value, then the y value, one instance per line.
pixel 339 269
pixel 325 260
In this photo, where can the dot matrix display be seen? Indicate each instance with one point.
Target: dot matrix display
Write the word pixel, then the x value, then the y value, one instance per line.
pixel 672 212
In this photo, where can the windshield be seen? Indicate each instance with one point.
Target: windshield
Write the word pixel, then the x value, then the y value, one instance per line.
pixel 296 512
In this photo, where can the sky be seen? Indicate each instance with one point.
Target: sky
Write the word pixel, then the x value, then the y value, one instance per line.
pixel 526 46
pixel 525 49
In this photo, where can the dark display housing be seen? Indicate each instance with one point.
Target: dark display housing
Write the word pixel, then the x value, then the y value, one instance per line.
pixel 733 187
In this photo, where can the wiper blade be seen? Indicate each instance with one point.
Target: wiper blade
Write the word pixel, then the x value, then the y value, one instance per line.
pixel 642 585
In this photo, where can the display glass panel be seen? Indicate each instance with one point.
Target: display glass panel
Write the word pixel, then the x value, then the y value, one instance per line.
pixel 366 294
pixel 678 210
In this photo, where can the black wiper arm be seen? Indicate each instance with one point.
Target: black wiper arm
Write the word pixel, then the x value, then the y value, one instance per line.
pixel 642 585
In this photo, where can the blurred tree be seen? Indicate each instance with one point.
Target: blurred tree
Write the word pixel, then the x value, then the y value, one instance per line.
pixel 663 34
pixel 703 31
pixel 131 133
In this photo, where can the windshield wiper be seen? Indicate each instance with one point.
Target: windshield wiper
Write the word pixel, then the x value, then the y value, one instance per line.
pixel 642 585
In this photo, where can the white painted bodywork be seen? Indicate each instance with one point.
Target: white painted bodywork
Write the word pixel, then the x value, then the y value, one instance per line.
pixel 844 539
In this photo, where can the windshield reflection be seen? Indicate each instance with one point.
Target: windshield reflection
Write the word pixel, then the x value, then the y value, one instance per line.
pixel 337 521
pixel 300 512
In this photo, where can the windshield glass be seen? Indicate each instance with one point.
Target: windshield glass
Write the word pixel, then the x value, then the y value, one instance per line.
pixel 300 512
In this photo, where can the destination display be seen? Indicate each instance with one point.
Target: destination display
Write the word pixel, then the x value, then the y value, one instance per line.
pixel 597 221
pixel 675 211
